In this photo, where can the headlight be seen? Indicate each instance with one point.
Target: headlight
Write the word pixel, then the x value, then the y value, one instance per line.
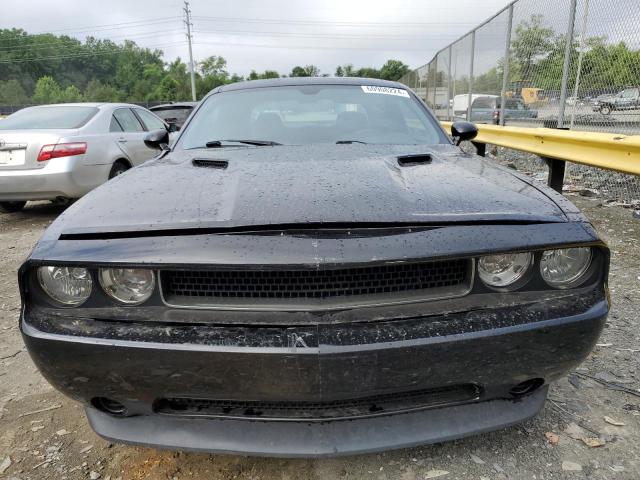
pixel 70 286
pixel 504 269
pixel 132 286
pixel 565 267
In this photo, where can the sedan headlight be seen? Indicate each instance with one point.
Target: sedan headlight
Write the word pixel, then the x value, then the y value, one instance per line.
pixel 70 286
pixel 504 269
pixel 131 286
pixel 565 267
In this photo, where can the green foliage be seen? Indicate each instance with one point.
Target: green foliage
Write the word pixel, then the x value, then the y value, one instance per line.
pixel 12 93
pixel 345 70
pixel 264 75
pixel 393 70
pixel 47 68
pixel 71 94
pixel 537 60
pixel 47 91
pixel 306 71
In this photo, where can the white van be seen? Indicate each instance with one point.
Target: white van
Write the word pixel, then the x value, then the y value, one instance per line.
pixel 461 103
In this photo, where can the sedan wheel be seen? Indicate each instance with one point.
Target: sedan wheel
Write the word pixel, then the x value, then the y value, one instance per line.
pixel 605 109
pixel 117 169
pixel 10 207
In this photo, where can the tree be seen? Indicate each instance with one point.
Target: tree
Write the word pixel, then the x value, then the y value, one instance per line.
pixel 345 70
pixel 393 70
pixel 213 66
pixel 71 94
pixel 532 41
pixel 367 72
pixel 167 90
pixel 96 91
pixel 306 71
pixel 266 74
pixel 12 92
pixel 47 91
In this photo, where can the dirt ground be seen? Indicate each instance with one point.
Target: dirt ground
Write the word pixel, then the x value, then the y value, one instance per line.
pixel 589 429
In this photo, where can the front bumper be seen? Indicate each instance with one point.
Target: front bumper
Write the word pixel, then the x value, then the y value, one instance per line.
pixel 493 349
pixel 298 439
pixel 62 177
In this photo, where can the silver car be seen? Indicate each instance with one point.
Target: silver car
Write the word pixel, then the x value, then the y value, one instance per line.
pixel 61 152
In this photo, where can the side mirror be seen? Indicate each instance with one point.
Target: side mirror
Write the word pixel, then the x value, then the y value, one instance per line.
pixel 158 139
pixel 462 131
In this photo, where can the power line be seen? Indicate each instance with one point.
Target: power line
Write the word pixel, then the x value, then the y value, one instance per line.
pixel 66 43
pixel 322 35
pixel 331 23
pixel 110 25
pixel 81 55
pixel 312 47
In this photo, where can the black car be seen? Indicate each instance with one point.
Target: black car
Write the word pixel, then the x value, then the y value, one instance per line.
pixel 313 269
pixel 175 113
pixel 627 99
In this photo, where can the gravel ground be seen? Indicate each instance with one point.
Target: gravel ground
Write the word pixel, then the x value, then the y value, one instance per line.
pixel 43 435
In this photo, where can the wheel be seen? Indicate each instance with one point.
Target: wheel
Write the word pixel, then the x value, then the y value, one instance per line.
pixel 605 109
pixel 118 168
pixel 10 207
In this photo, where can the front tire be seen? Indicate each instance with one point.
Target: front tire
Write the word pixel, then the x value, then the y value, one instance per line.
pixel 605 109
pixel 118 168
pixel 11 207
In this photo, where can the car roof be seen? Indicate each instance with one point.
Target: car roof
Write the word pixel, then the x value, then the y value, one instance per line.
pixel 88 104
pixel 296 81
pixel 174 105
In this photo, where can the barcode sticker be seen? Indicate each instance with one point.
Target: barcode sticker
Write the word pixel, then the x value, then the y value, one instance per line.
pixel 399 92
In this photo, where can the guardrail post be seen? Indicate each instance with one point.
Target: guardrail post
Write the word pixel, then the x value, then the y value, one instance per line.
pixel 473 49
pixel 505 64
pixel 567 63
pixel 556 173
pixel 481 148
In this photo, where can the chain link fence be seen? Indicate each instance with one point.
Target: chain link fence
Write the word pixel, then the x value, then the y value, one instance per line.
pixel 572 64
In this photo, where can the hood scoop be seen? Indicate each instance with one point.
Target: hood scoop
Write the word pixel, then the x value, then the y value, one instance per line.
pixel 414 159
pixel 209 163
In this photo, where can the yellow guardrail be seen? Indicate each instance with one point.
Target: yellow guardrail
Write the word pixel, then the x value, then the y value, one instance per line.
pixel 612 151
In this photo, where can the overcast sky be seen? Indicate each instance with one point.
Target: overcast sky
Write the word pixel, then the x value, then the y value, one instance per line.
pixel 267 34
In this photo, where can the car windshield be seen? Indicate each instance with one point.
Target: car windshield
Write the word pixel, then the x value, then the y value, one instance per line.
pixel 484 102
pixel 173 114
pixel 50 117
pixel 311 114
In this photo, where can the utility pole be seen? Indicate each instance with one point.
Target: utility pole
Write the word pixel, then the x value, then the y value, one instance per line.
pixel 187 21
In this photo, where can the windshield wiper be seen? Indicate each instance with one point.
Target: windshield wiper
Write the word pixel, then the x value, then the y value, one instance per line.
pixel 259 143
pixel 347 142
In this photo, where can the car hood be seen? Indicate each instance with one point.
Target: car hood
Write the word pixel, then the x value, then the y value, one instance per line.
pixel 284 185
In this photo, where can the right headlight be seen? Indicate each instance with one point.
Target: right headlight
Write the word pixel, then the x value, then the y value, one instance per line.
pixel 565 267
pixel 131 286
pixel 504 269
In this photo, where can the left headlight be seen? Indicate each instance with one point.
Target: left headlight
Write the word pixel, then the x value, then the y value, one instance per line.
pixel 69 286
pixel 131 286
pixel 565 267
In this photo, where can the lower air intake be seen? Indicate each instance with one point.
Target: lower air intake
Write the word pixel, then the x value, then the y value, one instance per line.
pixel 319 411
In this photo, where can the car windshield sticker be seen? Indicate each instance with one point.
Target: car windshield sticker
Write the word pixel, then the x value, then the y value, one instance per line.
pixel 399 92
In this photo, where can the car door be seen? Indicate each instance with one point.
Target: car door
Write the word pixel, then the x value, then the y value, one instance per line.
pixel 130 135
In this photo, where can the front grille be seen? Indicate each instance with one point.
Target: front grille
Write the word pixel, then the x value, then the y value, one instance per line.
pixel 302 285
pixel 319 411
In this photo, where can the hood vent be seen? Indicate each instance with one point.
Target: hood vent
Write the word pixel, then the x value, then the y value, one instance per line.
pixel 208 163
pixel 414 159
